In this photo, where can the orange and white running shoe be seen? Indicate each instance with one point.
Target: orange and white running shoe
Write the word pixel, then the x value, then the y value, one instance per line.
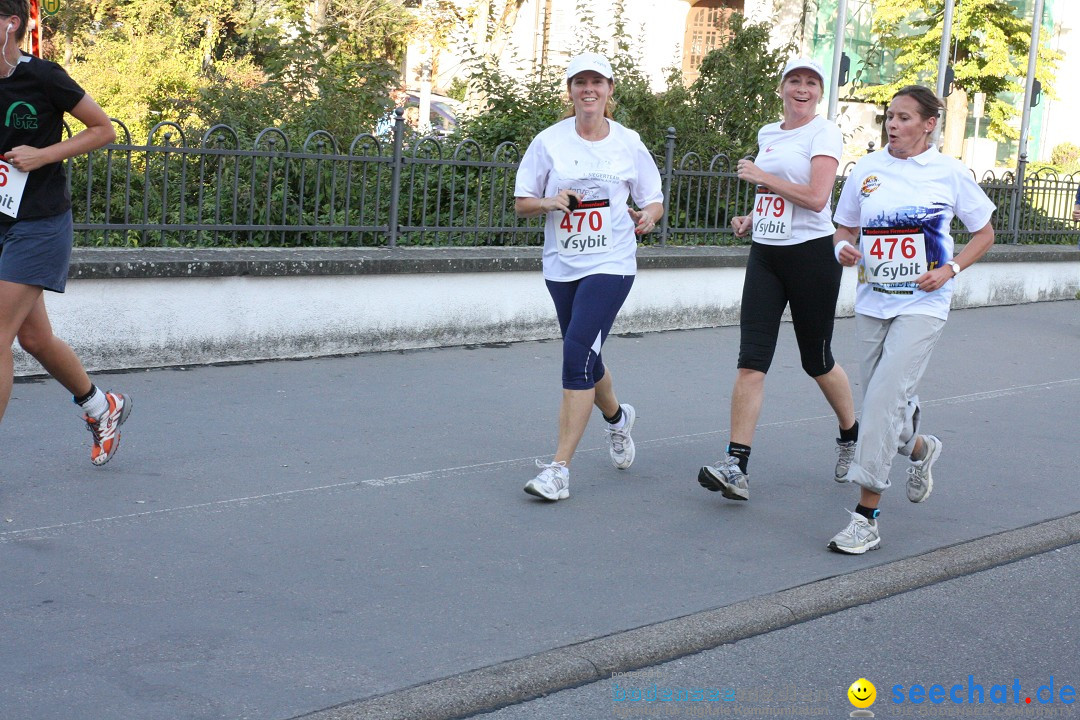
pixel 106 429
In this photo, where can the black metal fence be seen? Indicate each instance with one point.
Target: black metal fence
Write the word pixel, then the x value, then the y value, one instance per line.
pixel 175 191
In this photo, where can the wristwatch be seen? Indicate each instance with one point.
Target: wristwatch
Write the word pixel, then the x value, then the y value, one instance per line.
pixel 955 267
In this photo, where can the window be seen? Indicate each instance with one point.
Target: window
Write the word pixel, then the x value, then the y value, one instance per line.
pixel 706 30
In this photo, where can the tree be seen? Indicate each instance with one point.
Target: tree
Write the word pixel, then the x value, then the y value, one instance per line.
pixel 990 44
pixel 733 96
pixel 720 113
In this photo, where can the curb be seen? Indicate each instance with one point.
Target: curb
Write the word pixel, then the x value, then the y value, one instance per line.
pixel 544 673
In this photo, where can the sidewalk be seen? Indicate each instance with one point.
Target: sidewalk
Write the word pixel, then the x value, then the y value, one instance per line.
pixel 278 538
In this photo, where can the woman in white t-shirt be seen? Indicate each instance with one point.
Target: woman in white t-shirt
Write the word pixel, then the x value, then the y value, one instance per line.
pixel 579 174
pixel 790 263
pixel 893 217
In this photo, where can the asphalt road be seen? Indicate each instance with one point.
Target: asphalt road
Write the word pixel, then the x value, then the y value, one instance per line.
pixel 278 538
pixel 1018 622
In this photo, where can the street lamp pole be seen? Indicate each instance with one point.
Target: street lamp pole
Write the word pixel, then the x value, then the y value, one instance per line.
pixel 1025 122
pixel 943 54
pixel 1029 82
pixel 838 50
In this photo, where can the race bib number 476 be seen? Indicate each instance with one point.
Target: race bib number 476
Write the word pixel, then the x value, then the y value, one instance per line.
pixel 893 255
pixel 586 230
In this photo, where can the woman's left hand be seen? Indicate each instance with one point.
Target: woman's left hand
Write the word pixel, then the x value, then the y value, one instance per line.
pixel 643 222
pixel 932 280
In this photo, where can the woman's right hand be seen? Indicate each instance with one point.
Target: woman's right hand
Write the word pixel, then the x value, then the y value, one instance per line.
pixel 560 202
pixel 741 224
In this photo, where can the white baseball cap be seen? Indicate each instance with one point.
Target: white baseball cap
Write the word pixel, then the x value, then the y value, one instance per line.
pixel 804 63
pixel 589 61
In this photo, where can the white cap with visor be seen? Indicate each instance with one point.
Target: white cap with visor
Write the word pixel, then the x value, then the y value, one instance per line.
pixel 804 63
pixel 589 61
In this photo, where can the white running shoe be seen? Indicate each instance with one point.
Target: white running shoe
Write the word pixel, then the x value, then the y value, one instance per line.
pixel 859 536
pixel 845 454
pixel 920 482
pixel 727 478
pixel 106 428
pixel 553 482
pixel 620 444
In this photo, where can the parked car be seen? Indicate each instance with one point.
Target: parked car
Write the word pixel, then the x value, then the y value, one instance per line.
pixel 443 118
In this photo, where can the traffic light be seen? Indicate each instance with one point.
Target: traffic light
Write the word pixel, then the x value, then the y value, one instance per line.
pixel 845 68
pixel 946 90
pixel 1036 92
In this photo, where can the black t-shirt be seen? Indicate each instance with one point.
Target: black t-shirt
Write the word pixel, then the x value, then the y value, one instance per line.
pixel 33 101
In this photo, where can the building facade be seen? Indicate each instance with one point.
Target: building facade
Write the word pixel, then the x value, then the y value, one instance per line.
pixel 668 34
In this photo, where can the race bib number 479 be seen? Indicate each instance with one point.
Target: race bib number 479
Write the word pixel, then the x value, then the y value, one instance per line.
pixel 586 230
pixel 772 216
pixel 893 255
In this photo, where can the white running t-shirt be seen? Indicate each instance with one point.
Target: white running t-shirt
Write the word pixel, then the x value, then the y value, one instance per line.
pixel 787 154
pixel 599 236
pixel 902 209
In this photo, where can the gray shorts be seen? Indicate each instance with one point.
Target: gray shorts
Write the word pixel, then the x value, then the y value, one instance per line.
pixel 37 252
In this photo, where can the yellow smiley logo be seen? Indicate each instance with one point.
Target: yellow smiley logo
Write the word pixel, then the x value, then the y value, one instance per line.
pixel 862 693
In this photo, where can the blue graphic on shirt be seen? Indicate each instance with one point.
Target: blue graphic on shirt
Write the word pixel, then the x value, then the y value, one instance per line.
pixel 932 221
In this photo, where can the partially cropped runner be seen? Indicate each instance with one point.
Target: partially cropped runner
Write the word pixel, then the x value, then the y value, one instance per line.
pixel 893 217
pixel 579 174
pixel 35 221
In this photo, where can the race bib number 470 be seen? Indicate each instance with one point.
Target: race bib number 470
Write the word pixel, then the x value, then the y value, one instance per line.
pixel 12 185
pixel 586 230
pixel 772 216
pixel 893 255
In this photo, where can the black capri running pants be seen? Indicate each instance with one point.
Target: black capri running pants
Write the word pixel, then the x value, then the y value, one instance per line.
pixel 807 277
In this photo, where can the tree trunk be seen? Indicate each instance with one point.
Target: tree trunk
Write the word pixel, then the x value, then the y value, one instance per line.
pixel 209 39
pixel 316 15
pixel 491 41
pixel 956 109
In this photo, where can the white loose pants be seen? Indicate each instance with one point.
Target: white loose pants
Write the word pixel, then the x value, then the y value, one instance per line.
pixel 895 354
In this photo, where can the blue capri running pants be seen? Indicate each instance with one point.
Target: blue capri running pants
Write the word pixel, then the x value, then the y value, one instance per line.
pixel 587 310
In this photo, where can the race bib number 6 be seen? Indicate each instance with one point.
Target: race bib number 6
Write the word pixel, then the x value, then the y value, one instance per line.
pixel 772 216
pixel 893 255
pixel 586 230
pixel 12 185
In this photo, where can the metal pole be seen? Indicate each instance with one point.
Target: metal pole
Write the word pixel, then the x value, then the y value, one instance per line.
pixel 838 49
pixel 669 170
pixel 943 54
pixel 1025 122
pixel 1033 53
pixel 395 177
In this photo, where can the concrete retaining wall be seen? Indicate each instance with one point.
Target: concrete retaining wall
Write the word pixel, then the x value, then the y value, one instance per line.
pixel 150 308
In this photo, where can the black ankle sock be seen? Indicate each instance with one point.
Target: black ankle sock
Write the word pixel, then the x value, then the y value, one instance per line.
pixel 741 453
pixel 868 513
pixel 614 418
pixel 851 434
pixel 87 396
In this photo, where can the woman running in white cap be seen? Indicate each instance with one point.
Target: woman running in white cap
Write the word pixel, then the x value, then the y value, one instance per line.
pixel 579 174
pixel 790 264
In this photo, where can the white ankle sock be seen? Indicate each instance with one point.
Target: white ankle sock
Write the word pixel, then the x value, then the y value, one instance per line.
pixel 96 405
